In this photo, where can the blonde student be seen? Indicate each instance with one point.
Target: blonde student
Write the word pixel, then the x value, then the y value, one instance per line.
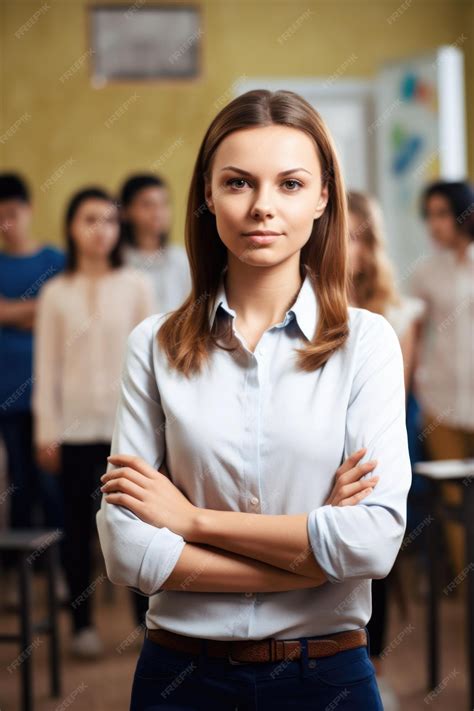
pixel 259 468
pixel 373 287
pixel 84 318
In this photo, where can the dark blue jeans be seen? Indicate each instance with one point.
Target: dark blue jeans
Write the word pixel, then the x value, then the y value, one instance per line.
pixel 166 679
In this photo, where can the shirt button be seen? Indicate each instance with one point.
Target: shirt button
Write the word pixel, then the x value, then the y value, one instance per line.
pixel 254 500
pixel 261 350
pixel 312 663
pixel 248 594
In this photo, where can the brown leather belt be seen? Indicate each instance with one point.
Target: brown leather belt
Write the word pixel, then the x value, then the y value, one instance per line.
pixel 260 650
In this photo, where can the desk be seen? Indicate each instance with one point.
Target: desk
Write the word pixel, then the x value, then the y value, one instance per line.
pixel 460 472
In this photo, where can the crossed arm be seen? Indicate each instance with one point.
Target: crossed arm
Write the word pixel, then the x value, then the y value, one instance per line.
pixel 227 551
pixel 178 546
pixel 17 312
pixel 202 568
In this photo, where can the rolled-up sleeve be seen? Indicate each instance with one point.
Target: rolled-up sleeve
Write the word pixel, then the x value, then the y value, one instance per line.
pixel 363 541
pixel 137 554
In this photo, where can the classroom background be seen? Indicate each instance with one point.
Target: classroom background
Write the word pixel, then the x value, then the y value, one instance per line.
pixel 103 108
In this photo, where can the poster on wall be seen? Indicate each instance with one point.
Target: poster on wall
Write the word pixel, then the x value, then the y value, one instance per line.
pixel 420 137
pixel 152 43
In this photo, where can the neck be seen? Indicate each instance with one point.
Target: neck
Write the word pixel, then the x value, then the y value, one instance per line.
pixel 24 245
pixel 90 266
pixel 148 242
pixel 262 295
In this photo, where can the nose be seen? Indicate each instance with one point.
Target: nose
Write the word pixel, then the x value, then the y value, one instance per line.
pixel 262 205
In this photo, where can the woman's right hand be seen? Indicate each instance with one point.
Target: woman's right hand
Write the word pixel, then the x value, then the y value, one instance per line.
pixel 48 458
pixel 348 487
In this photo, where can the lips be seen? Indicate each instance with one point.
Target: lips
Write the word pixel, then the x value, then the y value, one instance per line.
pixel 262 233
pixel 261 239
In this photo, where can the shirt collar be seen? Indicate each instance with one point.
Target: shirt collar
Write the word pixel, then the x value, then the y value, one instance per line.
pixel 305 308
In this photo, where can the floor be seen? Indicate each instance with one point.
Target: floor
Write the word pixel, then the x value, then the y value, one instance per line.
pixel 105 685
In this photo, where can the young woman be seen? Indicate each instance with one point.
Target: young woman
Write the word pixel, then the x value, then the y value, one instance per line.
pixel 84 318
pixel 146 222
pixel 444 378
pixel 229 493
pixel 373 287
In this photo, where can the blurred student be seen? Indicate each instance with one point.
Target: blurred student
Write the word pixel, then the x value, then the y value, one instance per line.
pixel 373 287
pixel 25 267
pixel 84 318
pixel 444 377
pixel 146 222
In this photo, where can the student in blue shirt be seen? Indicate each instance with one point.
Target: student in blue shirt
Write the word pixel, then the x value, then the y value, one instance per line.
pixel 24 268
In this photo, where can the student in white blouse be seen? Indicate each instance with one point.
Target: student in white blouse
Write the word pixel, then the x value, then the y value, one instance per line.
pixel 232 495
pixel 84 318
pixel 444 376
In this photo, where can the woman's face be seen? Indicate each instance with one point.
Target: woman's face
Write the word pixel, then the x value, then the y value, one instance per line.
pixel 441 222
pixel 95 228
pixel 355 242
pixel 266 178
pixel 150 211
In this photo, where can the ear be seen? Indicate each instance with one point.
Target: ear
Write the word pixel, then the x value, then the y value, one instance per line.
pixel 322 202
pixel 208 197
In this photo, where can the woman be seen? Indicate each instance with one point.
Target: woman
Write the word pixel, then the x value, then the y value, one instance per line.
pixel 444 378
pixel 251 397
pixel 373 287
pixel 146 221
pixel 84 318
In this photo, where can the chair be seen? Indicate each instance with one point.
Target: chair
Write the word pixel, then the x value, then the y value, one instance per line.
pixel 26 545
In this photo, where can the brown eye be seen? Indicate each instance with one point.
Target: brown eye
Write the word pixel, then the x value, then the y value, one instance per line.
pixel 232 182
pixel 295 183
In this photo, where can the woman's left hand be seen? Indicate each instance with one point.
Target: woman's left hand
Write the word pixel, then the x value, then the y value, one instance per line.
pixel 148 493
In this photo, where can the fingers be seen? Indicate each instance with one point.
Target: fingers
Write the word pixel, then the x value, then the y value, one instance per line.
pixel 131 460
pixel 357 472
pixel 124 486
pixel 129 502
pixel 351 461
pixel 126 473
pixel 349 490
pixel 356 497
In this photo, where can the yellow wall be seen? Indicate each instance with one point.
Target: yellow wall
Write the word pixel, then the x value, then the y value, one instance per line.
pixel 62 124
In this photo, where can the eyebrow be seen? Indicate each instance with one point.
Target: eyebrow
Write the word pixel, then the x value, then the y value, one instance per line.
pixel 246 172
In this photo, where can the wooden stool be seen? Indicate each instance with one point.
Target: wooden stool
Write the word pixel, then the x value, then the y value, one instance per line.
pixel 27 545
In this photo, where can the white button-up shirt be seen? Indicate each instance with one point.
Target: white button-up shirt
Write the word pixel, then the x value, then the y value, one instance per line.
pixel 251 433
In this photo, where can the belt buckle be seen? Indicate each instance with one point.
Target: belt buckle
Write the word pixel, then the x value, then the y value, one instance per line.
pixel 234 661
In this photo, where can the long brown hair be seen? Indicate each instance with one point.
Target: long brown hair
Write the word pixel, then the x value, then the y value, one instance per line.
pixel 373 285
pixel 186 336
